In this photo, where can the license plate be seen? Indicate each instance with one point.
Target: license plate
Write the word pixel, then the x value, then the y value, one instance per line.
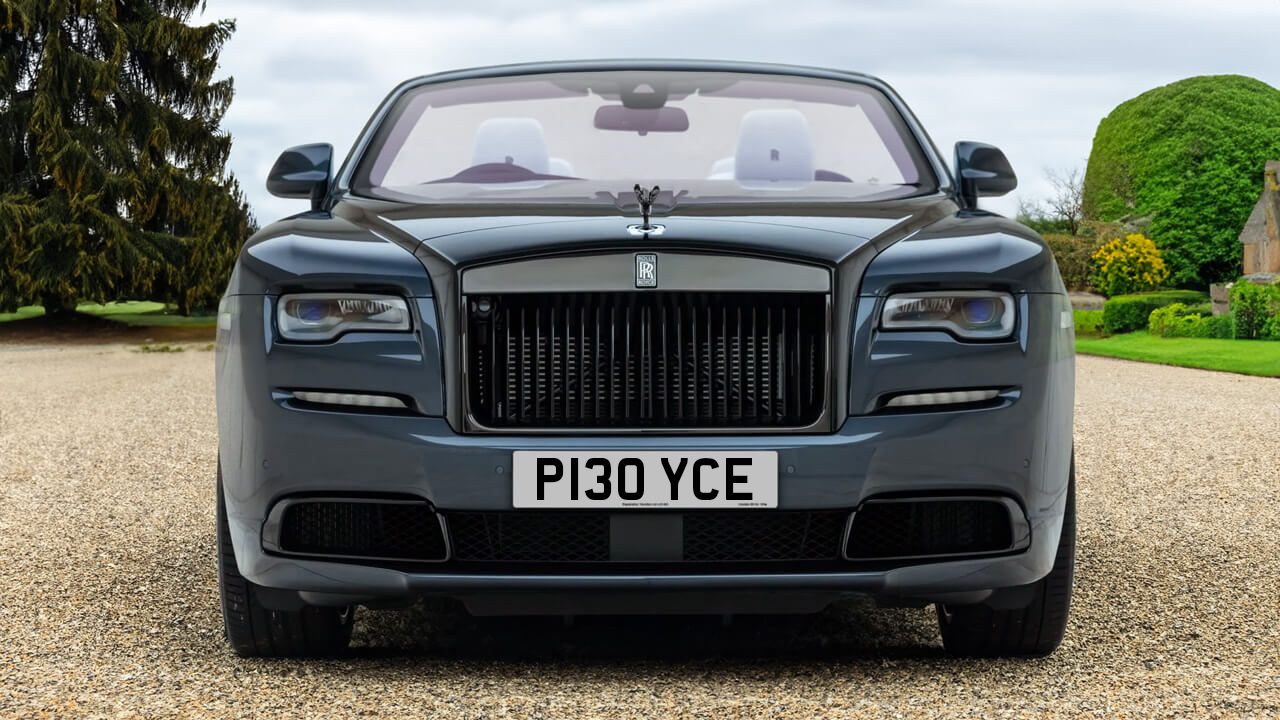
pixel 646 479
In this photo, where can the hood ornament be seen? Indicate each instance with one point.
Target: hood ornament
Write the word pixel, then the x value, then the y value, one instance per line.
pixel 646 198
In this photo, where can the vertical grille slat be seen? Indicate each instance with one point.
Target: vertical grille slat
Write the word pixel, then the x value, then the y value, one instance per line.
pixel 647 360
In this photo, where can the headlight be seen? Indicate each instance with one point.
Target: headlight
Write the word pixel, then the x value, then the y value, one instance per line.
pixel 324 316
pixel 970 314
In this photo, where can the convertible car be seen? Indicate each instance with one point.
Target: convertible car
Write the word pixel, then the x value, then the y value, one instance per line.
pixel 644 337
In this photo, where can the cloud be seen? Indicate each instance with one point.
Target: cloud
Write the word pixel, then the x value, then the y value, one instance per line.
pixel 1032 77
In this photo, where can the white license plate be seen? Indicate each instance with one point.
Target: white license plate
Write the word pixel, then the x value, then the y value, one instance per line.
pixel 645 479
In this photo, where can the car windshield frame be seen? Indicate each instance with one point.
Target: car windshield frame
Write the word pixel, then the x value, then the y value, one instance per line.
pixel 930 174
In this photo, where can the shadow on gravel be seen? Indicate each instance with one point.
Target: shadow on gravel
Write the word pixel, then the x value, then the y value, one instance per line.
pixel 846 630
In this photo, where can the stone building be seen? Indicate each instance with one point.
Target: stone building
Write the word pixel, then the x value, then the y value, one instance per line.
pixel 1261 234
pixel 1260 239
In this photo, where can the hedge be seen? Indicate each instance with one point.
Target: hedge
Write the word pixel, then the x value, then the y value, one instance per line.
pixel 1088 322
pixel 1126 313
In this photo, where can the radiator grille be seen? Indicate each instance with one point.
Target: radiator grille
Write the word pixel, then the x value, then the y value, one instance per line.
pixel 647 359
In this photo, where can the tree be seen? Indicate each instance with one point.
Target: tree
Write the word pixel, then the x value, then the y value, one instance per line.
pixel 1189 156
pixel 112 163
pixel 1067 201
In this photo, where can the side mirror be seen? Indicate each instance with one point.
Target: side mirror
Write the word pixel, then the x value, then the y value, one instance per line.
pixel 982 171
pixel 302 172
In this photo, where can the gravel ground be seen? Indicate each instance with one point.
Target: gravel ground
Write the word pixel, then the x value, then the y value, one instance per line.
pixel 108 598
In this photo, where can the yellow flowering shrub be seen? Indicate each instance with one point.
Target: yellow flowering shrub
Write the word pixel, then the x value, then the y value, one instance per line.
pixel 1128 265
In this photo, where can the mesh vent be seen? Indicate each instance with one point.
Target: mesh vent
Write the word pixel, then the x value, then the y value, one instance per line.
pixel 530 537
pixel 733 536
pixel 406 531
pixel 647 359
pixel 883 530
pixel 728 537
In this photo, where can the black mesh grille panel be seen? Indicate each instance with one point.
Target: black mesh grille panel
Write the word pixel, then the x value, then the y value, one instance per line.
pixel 731 536
pixel 408 531
pixel 647 359
pixel 530 537
pixel 883 530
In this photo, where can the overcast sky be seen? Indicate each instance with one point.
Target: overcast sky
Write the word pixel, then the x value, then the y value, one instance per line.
pixel 1031 76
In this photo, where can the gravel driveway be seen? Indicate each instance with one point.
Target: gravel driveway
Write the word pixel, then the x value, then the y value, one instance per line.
pixel 108 598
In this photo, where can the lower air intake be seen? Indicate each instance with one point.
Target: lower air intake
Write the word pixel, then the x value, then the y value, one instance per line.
pixel 905 528
pixel 395 530
pixel 707 537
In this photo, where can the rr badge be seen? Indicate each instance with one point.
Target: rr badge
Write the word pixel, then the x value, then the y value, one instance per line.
pixel 646 270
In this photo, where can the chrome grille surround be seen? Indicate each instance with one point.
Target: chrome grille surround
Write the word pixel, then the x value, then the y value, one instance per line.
pixel 748 355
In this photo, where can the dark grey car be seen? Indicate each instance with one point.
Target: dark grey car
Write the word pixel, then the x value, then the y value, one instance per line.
pixel 645 336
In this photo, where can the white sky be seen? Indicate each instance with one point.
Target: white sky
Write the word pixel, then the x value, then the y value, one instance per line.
pixel 1033 77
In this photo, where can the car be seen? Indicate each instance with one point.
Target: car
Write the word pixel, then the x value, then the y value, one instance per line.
pixel 612 337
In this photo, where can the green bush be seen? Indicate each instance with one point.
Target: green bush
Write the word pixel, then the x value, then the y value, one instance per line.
pixel 1075 259
pixel 1088 322
pixel 1271 331
pixel 1126 313
pixel 1178 320
pixel 1189 156
pixel 1219 326
pixel 1201 309
pixel 1254 306
pixel 1163 321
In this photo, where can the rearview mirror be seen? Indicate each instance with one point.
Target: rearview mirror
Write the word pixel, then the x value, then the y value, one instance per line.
pixel 641 120
pixel 982 171
pixel 302 172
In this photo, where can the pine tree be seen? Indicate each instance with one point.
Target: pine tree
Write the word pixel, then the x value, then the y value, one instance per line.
pixel 112 163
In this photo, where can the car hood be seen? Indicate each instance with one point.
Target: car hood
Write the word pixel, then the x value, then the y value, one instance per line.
pixel 461 236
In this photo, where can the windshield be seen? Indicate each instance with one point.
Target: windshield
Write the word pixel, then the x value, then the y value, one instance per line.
pixel 591 136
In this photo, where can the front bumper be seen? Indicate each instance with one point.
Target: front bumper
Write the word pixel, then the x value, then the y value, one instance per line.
pixel 318 452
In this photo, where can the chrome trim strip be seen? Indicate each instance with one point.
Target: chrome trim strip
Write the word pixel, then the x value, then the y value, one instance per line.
pixel 615 272
pixel 272 526
pixel 1020 528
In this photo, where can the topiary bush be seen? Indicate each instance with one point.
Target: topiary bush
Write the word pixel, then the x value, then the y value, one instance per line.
pixel 1128 265
pixel 1254 306
pixel 1189 156
pixel 1126 313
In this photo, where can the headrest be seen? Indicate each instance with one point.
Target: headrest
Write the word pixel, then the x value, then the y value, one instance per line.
pixel 774 145
pixel 515 141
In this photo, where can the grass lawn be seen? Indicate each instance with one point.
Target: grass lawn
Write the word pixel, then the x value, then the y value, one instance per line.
pixel 1250 357
pixel 136 312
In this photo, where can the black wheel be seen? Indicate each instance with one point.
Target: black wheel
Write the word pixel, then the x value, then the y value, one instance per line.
pixel 256 631
pixel 1032 631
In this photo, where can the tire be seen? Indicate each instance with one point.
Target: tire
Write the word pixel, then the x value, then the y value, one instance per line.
pixel 256 631
pixel 1032 631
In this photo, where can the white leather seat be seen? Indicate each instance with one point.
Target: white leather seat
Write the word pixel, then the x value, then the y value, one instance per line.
pixel 721 169
pixel 559 166
pixel 774 146
pixel 514 141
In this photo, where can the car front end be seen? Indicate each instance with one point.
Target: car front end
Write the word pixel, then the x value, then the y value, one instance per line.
pixel 536 405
